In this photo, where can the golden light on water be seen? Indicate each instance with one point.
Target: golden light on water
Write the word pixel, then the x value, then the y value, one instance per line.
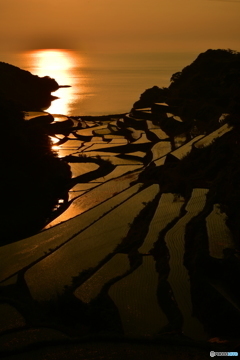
pixel 58 64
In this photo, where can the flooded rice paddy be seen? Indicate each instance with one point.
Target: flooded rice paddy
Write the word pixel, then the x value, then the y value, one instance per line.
pixel 118 241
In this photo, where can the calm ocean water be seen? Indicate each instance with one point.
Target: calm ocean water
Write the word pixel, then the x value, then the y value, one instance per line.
pixel 100 83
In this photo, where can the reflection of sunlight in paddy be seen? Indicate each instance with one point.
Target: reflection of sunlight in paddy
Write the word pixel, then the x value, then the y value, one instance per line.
pixel 61 65
pixel 99 193
pixel 79 169
pixel 89 246
pixel 54 141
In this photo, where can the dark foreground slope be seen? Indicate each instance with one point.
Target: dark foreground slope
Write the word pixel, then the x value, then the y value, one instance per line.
pixel 33 178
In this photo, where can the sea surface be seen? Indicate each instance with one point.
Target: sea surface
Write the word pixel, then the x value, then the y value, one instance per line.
pixel 101 84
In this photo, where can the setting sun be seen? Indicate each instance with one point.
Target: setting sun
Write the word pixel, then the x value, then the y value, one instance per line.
pixel 54 60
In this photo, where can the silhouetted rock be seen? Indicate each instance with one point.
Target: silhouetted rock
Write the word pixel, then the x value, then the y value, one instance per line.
pixel 208 87
pixel 41 120
pixel 151 96
pixel 61 127
pixel 202 91
pixel 29 91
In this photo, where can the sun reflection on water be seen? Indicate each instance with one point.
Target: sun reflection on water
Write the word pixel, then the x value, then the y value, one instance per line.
pixel 60 65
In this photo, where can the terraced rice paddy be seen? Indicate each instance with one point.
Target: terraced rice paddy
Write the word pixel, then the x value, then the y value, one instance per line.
pixel 208 139
pixel 168 209
pixel 117 243
pixel 186 148
pixel 219 235
pixel 117 266
pixel 160 149
pixel 136 298
pixel 86 249
pixel 178 277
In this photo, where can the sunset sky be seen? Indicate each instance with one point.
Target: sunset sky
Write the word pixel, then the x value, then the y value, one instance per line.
pixel 120 25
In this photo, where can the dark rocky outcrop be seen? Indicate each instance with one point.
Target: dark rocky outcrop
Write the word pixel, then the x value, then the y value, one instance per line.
pixel 208 87
pixel 29 91
pixel 203 90
pixel 151 96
